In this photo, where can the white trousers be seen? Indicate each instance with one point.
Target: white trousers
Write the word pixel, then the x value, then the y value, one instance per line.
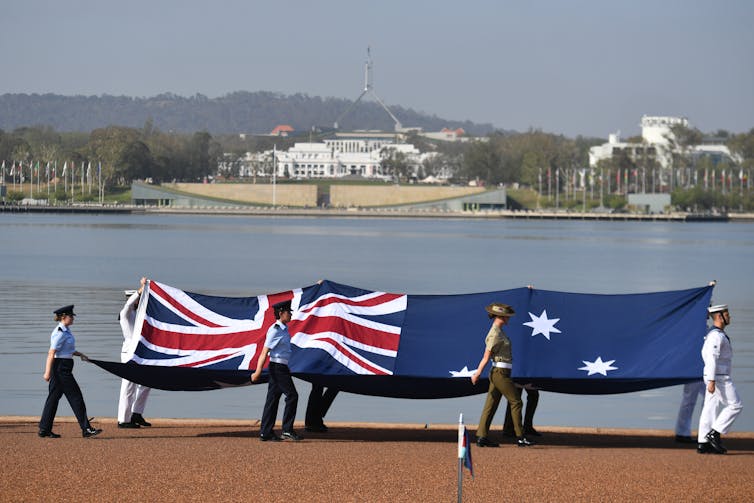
pixel 691 391
pixel 133 398
pixel 725 395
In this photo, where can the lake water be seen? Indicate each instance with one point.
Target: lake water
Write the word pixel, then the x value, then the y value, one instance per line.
pixel 51 260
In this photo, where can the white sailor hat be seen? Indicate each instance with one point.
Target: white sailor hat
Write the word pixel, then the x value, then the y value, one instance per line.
pixel 719 308
pixel 129 292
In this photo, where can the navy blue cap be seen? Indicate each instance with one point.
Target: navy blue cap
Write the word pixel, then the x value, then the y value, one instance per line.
pixel 65 310
pixel 282 306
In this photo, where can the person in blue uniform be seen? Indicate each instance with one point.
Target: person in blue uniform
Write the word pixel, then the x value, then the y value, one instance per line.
pixel 59 373
pixel 277 345
pixel 721 393
pixel 320 400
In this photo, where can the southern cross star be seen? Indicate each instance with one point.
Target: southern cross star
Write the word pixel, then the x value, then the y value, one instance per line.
pixel 464 372
pixel 598 366
pixel 542 325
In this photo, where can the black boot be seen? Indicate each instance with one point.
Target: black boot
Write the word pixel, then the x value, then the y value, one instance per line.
pixel 713 437
pixel 138 419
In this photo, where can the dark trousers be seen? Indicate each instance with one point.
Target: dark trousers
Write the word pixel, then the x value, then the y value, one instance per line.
pixel 62 383
pixel 532 399
pixel 281 383
pixel 319 403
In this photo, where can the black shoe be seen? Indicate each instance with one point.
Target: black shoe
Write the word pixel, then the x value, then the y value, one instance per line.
pixel 509 434
pixel 486 442
pixel 524 442
pixel 321 428
pixel 292 435
pixel 532 432
pixel 704 448
pixel 270 438
pixel 48 434
pixel 129 424
pixel 713 437
pixel 90 432
pixel 139 420
pixel 685 439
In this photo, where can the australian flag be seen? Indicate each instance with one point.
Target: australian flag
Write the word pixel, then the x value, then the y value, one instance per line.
pixel 421 346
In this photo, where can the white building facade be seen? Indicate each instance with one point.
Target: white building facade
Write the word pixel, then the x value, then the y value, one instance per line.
pixel 657 144
pixel 335 158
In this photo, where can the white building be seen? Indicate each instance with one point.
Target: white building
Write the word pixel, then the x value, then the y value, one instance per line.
pixel 657 145
pixel 335 158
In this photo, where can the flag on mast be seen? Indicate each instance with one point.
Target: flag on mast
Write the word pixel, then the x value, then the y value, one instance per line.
pixel 464 446
pixel 464 455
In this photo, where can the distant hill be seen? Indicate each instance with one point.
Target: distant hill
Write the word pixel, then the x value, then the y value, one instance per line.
pixel 238 112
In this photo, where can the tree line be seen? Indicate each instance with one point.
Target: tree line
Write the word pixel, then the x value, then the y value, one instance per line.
pixel 237 112
pixel 554 166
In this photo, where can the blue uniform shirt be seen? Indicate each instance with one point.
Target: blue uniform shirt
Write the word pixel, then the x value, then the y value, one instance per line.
pixel 62 342
pixel 279 341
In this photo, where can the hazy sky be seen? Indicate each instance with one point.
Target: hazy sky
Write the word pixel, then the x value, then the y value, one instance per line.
pixel 570 66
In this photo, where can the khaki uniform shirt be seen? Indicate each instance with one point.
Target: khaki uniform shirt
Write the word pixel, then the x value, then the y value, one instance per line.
pixel 498 345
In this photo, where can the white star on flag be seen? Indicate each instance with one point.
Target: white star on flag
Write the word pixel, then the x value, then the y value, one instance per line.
pixel 464 372
pixel 542 325
pixel 598 366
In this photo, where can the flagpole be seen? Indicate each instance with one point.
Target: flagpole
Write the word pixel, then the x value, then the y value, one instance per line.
pixel 274 169
pixel 460 457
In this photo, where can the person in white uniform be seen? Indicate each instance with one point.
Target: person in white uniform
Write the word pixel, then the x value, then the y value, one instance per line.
pixel 717 354
pixel 133 397
pixel 691 392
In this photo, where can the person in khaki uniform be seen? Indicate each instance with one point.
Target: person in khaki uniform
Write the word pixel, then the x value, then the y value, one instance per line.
pixel 498 350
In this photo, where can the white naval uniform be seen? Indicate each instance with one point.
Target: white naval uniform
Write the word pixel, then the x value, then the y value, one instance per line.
pixel 691 391
pixel 717 354
pixel 133 397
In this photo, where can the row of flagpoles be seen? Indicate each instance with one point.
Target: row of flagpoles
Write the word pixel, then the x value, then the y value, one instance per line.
pixel 625 180
pixel 90 177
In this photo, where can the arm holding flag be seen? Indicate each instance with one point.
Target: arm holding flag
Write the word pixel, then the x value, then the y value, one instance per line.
pixel 260 364
pixel 482 364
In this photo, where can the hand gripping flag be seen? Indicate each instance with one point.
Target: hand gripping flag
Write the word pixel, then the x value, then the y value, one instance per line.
pixel 420 346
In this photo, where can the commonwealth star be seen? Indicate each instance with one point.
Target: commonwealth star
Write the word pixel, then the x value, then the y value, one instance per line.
pixel 542 325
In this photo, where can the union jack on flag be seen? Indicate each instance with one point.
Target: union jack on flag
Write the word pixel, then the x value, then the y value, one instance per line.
pixel 336 329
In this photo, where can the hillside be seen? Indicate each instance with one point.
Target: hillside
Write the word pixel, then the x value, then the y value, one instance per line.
pixel 247 112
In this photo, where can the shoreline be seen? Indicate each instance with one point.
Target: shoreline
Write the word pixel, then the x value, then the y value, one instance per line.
pixel 383 213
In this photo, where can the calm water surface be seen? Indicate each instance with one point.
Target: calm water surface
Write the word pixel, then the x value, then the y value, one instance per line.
pixel 50 260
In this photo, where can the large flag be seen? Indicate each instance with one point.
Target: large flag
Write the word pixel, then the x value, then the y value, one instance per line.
pixel 421 346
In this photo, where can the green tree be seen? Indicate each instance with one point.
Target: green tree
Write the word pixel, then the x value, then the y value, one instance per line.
pixel 481 161
pixel 135 162
pixel 394 162
pixel 108 145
